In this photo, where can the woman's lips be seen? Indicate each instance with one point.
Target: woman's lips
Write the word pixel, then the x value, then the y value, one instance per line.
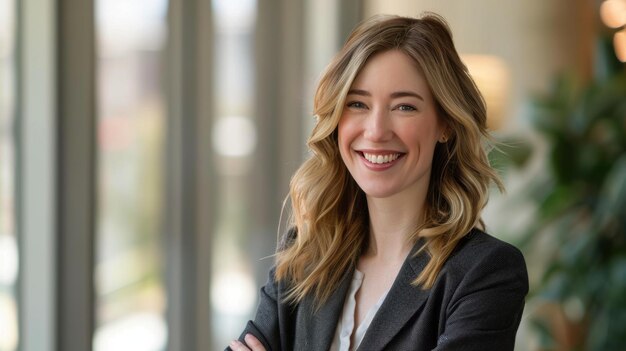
pixel 380 160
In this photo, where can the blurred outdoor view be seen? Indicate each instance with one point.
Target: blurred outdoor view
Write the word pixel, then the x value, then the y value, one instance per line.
pixel 8 241
pixel 234 139
pixel 130 297
pixel 555 88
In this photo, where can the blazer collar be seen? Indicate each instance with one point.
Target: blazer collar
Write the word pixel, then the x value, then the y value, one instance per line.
pixel 321 326
pixel 402 302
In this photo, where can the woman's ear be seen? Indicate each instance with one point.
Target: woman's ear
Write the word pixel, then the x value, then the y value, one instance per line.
pixel 443 138
pixel 446 134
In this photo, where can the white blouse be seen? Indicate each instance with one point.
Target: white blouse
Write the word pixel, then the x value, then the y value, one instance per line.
pixel 345 326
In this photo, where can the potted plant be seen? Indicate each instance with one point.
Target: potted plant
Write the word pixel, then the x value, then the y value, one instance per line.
pixel 580 223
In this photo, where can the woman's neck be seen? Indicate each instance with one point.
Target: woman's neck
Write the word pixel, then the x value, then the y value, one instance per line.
pixel 392 221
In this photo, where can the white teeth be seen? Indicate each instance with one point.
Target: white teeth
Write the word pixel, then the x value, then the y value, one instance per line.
pixel 379 159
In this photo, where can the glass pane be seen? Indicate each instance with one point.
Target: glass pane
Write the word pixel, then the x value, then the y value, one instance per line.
pixel 234 290
pixel 8 243
pixel 130 292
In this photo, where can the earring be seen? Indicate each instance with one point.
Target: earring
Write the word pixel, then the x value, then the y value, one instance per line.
pixel 443 139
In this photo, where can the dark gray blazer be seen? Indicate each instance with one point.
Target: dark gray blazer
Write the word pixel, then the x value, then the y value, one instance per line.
pixel 475 304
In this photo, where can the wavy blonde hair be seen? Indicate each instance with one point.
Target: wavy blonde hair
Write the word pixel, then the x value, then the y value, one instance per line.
pixel 329 210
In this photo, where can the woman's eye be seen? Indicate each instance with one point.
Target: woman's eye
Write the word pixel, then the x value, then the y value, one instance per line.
pixel 356 104
pixel 406 108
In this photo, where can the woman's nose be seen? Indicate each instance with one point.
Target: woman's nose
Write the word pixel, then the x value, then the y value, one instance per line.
pixel 378 126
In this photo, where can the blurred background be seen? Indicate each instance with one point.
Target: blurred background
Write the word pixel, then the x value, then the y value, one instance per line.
pixel 146 148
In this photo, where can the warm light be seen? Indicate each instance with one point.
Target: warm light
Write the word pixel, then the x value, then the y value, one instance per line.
pixel 8 323
pixel 237 15
pixel 233 293
pixel 613 13
pixel 136 332
pixel 619 42
pixel 126 25
pixel 234 136
pixel 492 78
pixel 8 260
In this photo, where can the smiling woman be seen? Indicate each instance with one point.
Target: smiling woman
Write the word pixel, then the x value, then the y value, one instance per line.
pixel 389 129
pixel 387 248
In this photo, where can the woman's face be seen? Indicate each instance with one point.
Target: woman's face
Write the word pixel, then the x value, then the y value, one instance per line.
pixel 389 127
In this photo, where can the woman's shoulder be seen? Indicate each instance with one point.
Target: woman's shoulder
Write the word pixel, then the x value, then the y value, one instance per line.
pixel 478 242
pixel 479 250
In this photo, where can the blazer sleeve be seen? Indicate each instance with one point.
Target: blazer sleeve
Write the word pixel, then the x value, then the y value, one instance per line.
pixel 265 325
pixel 486 308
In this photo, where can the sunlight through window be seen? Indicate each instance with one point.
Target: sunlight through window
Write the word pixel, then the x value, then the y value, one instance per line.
pixel 130 292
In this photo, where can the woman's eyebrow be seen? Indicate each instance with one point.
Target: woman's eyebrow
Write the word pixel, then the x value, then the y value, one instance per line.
pixel 394 95
pixel 399 94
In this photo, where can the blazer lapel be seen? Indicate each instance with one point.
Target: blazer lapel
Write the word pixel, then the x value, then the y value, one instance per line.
pixel 318 328
pixel 401 303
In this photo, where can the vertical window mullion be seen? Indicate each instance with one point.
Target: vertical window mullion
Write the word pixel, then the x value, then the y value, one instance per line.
pixel 190 203
pixel 37 174
pixel 76 174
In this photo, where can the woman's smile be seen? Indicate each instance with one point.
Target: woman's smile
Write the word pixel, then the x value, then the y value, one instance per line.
pixel 379 160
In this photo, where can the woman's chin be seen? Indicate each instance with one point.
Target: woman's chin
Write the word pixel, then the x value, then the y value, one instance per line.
pixel 380 192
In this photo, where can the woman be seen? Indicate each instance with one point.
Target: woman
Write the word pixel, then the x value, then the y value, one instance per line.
pixel 387 250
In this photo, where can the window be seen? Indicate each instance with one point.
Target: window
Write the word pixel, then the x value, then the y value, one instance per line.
pixel 8 242
pixel 234 140
pixel 130 292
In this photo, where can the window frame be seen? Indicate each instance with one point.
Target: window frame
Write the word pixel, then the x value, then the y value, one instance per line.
pixel 36 149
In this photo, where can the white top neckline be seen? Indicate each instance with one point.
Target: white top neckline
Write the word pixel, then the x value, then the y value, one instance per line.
pixel 345 326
